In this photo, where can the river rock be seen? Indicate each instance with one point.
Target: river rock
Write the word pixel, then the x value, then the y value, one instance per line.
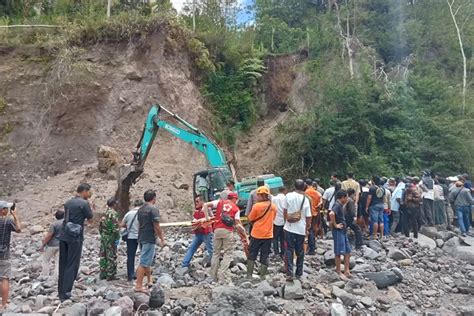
pixel 397 254
pixel 113 311
pixel 375 245
pixel 292 290
pixel 35 229
pixel 370 253
pixel 426 242
pixel 126 304
pixel 97 307
pixel 384 279
pixel 165 280
pixel 429 231
pixel 338 310
pixel 394 295
pixel 186 302
pixel 454 248
pixel 347 298
pixel 266 288
pixel 157 297
pixel 238 256
pixel 78 309
pixel 140 301
pixel 230 300
pixel 439 243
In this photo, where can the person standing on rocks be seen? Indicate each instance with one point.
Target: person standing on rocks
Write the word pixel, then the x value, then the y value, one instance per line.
pixel 201 235
pixel 351 217
pixel 130 225
pixel 316 202
pixel 9 223
pixel 76 211
pixel 50 245
pixel 439 204
pixel 411 208
pixel 462 200
pixel 148 229
pixel 395 203
pixel 375 206
pixel 350 183
pixel 278 223
pixel 297 213
pixel 262 216
pixel 253 197
pixel 427 185
pixel 109 238
pixel 362 214
pixel 227 217
pixel 339 233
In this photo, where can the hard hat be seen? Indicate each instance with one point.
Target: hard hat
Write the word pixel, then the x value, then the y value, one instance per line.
pixel 263 190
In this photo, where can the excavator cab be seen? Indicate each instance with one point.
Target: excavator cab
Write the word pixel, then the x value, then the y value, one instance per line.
pixel 210 183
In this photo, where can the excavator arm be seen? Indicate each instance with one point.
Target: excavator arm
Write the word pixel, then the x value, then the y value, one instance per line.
pixel 128 174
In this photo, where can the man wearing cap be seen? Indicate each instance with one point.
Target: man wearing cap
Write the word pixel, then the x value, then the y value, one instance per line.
pixel 109 237
pixel 148 229
pixel 9 222
pixel 227 216
pixel 262 215
pixel 76 211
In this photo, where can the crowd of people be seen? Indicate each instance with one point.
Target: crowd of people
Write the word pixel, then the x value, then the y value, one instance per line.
pixel 286 225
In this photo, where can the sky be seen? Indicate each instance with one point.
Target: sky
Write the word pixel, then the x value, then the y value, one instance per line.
pixel 242 18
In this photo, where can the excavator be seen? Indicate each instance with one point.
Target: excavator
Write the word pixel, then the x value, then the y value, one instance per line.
pixel 216 176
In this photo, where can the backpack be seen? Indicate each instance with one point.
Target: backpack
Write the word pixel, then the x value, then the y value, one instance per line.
pixel 226 219
pixel 379 192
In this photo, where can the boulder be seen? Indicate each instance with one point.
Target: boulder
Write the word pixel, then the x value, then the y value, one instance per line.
pixel 406 262
pixel 370 253
pixel 266 288
pixel 439 243
pixel 108 159
pixel 230 300
pixel 429 231
pixel 113 311
pixel 367 301
pixel 78 309
pixel 375 245
pixel 157 297
pixel 186 302
pixel 384 279
pixel 292 290
pixel 126 304
pixel 454 248
pixel 165 280
pixel 397 254
pixel 399 310
pixel 445 235
pixel 338 310
pixel 426 242
pixel 347 298
pixel 140 301
pixel 394 295
pixel 365 267
pixel 97 307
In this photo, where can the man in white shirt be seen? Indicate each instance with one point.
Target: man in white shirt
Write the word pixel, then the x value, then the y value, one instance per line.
pixel 296 230
pixel 329 196
pixel 278 234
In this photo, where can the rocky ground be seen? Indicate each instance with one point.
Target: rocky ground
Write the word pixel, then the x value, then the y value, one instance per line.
pixel 433 275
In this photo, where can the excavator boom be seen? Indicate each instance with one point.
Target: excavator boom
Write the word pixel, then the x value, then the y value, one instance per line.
pixel 129 174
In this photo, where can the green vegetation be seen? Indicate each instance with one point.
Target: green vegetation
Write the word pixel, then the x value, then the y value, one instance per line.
pixel 3 105
pixel 386 75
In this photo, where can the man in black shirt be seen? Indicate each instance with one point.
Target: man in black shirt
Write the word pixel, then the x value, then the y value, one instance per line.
pixel 351 216
pixel 148 229
pixel 77 210
pixel 339 235
pixel 375 206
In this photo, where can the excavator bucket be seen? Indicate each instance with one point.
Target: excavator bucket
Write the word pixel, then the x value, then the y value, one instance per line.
pixel 128 175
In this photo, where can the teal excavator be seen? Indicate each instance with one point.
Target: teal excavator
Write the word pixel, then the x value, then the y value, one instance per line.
pixel 217 175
